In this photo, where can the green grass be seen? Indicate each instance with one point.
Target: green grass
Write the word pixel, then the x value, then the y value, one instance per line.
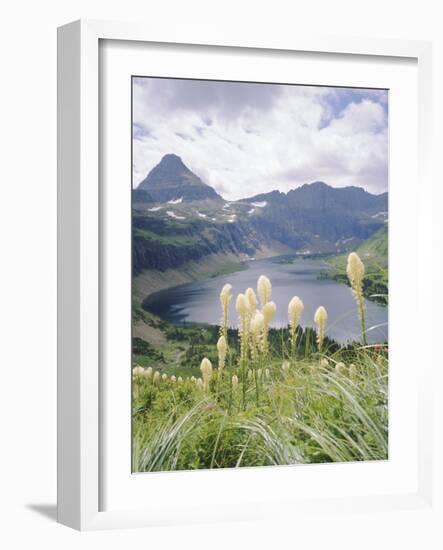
pixel 373 252
pixel 178 238
pixel 271 404
pixel 230 267
pixel 308 413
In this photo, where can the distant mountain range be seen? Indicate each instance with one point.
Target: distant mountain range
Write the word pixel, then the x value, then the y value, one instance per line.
pixel 177 218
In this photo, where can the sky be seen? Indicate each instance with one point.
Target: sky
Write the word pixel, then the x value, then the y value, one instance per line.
pixel 250 138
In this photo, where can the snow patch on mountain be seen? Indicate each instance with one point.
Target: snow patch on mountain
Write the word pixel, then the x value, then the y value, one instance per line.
pixel 172 214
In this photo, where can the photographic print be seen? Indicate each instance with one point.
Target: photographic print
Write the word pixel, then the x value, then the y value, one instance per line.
pixel 259 274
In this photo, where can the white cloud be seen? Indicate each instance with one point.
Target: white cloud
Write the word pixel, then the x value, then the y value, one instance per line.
pixel 245 141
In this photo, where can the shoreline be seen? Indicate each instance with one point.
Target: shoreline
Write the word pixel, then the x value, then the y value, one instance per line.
pixel 153 280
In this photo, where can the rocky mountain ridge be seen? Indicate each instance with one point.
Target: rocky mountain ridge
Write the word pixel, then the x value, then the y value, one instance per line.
pixel 178 218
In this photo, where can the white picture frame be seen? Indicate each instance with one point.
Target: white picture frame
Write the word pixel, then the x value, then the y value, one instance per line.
pixel 80 412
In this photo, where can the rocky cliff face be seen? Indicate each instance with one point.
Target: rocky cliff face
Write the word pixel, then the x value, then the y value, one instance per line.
pixel 163 244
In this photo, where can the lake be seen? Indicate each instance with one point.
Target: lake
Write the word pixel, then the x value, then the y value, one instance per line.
pixel 198 302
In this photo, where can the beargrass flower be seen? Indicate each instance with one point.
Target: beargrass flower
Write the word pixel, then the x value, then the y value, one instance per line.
pixel 320 318
pixel 156 377
pixel 138 371
pixel 295 310
pixel 355 270
pixel 256 327
pixel 252 300
pixel 257 323
pixel 264 289
pixel 206 370
pixel 268 310
pixel 241 306
pixel 234 381
pixel 225 299
pixel 222 348
pixel 226 295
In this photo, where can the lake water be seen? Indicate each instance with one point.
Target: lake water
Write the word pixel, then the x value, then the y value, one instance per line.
pixel 199 301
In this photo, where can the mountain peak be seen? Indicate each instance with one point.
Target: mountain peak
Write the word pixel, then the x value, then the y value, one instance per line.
pixel 171 179
pixel 169 166
pixel 318 184
pixel 172 159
